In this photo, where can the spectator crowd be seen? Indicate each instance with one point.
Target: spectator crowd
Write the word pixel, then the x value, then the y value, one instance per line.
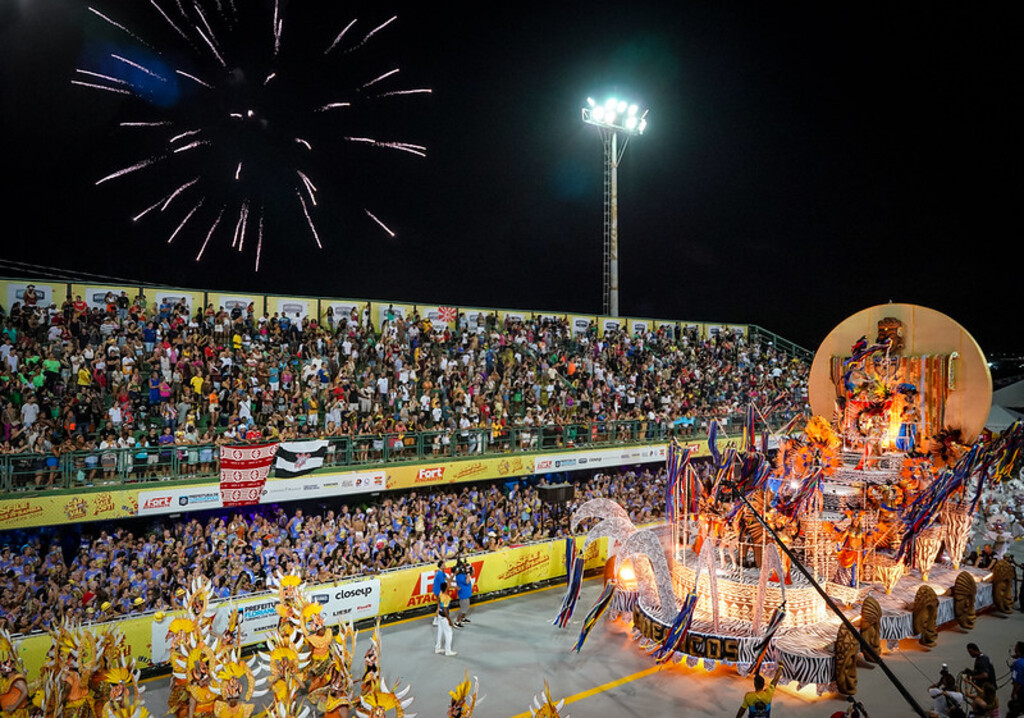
pixel 117 572
pixel 137 384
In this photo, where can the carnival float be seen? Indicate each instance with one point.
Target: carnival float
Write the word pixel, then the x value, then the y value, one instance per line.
pixel 843 537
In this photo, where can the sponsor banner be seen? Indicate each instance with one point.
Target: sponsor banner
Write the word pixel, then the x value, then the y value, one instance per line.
pixel 595 458
pixel 243 472
pixel 501 570
pixel 440 318
pixel 174 500
pixel 549 317
pixel 29 511
pixel 382 310
pixel 495 467
pixel 230 302
pixel 295 458
pixel 323 485
pixel 476 318
pixel 608 325
pixel 47 292
pixel 342 602
pixel 580 325
pixel 639 326
pixel 155 297
pixel 290 306
pixel 95 295
pixel 506 315
pixel 341 310
pixel 667 328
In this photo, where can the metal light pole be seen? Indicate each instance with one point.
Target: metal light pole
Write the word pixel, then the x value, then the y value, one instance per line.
pixel 613 118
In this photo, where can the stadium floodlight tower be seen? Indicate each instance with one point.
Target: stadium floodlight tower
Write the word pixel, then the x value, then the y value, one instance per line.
pixel 615 117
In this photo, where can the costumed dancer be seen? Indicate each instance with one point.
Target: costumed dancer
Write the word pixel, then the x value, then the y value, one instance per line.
pixel 114 652
pixel 124 695
pixel 289 601
pixel 284 666
pixel 14 695
pixel 320 638
pixel 199 661
pixel 231 693
pixel 179 634
pixel 547 708
pixel 371 664
pixel 230 639
pixel 334 699
pixel 197 603
pixel 77 663
pixel 464 699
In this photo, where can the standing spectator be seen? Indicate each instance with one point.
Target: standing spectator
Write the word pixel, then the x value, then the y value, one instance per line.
pixel 444 623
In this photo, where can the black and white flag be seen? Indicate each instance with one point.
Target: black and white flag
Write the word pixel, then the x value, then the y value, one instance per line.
pixel 295 458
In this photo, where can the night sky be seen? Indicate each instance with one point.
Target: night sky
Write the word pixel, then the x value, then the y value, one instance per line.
pixel 802 161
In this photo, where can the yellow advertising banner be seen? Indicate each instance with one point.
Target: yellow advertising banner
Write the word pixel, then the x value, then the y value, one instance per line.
pixel 450 472
pixel 290 306
pixel 26 511
pixel 47 292
pixel 337 310
pixel 95 295
pixel 412 588
pixel 227 302
pixel 193 300
pixel 382 310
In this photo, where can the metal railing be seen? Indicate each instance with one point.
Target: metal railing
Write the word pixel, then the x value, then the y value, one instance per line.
pixel 111 467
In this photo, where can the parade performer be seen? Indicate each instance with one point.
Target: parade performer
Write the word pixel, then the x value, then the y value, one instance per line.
pixel 197 603
pixel 231 693
pixel 371 663
pixel 178 634
pixel 284 666
pixel 320 638
pixel 199 662
pixel 77 661
pixel 124 696
pixel 334 699
pixel 230 639
pixel 289 600
pixel 547 708
pixel 14 697
pixel 464 699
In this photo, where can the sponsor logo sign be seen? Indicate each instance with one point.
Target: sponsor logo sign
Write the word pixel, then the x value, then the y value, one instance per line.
pixel 431 474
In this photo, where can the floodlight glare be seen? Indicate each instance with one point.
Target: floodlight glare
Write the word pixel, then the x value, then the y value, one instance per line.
pixel 615 114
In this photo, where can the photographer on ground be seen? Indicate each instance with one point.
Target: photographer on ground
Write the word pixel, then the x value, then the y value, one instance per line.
pixel 464 587
pixel 947 701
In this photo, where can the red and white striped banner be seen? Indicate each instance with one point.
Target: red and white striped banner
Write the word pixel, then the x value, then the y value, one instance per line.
pixel 243 471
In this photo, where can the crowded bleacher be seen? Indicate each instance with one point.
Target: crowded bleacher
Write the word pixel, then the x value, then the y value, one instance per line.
pixel 132 389
pixel 116 572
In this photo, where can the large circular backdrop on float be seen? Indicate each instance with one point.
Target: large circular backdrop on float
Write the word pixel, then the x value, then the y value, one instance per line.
pixel 925 332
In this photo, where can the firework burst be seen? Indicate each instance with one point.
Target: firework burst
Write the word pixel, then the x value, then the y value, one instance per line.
pixel 233 118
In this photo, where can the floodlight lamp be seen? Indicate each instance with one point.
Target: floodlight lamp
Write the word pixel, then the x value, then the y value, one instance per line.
pixel 633 109
pixel 598 114
pixel 631 123
pixel 611 103
pixel 590 101
pixel 621 106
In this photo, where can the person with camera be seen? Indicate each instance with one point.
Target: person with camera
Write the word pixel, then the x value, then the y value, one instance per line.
pixel 464 590
pixel 948 702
